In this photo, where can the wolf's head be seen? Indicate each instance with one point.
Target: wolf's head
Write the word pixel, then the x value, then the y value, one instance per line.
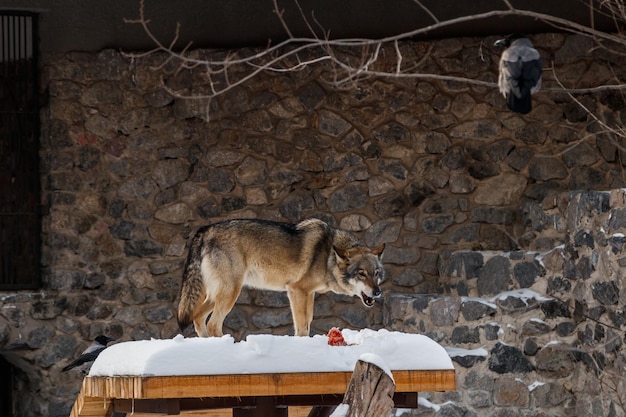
pixel 362 272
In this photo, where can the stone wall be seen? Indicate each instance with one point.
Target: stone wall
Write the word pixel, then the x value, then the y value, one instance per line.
pixel 533 333
pixel 439 171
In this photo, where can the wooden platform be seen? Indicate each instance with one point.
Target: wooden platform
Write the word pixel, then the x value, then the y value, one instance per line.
pixel 106 396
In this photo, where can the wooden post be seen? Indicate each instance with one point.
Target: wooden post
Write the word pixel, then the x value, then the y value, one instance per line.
pixel 370 392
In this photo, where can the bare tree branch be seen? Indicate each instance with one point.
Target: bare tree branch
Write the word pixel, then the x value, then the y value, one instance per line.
pixel 316 49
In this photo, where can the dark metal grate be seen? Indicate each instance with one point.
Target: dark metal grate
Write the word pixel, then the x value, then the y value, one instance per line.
pixel 19 148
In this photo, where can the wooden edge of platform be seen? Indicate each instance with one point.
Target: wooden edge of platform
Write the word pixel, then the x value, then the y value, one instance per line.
pixel 97 393
pixel 243 385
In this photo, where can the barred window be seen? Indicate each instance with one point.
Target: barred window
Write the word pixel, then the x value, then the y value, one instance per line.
pixel 19 146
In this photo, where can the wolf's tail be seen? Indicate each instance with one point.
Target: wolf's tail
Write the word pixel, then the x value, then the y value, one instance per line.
pixel 192 287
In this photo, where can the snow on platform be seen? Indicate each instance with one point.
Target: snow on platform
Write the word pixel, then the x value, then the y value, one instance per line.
pixel 260 354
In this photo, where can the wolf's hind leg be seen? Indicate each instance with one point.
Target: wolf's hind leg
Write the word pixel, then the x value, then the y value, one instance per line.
pixel 201 315
pixel 223 304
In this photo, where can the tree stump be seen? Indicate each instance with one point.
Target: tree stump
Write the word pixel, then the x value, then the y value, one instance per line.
pixel 370 391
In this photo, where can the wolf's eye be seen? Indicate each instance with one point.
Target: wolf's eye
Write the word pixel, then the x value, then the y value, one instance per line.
pixel 376 273
pixel 362 273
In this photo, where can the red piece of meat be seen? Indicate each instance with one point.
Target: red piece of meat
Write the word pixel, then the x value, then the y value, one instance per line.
pixel 335 338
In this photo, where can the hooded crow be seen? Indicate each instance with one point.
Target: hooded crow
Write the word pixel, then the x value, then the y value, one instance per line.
pixel 520 72
pixel 90 354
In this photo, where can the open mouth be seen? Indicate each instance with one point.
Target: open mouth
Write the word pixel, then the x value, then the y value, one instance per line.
pixel 367 300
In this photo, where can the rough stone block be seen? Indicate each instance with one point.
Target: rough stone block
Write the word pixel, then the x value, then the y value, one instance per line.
pixel 555 360
pixel 463 264
pixel 508 359
pixel 534 327
pixel 467 361
pixel 268 318
pixel 606 293
pixel 550 395
pixel 474 310
pixel 444 311
pixel 526 273
pixel 555 308
pixel 463 334
pixel 495 276
pixel 511 392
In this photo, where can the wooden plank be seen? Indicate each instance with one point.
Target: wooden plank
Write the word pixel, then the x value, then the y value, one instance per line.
pixel 293 412
pixel 254 384
pixel 195 413
pixel 85 406
pixel 248 385
pixel 91 407
pixel 114 387
pixel 425 381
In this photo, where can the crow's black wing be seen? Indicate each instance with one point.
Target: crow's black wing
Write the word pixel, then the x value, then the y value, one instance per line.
pixel 84 358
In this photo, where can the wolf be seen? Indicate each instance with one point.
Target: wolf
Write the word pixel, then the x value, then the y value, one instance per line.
pixel 302 259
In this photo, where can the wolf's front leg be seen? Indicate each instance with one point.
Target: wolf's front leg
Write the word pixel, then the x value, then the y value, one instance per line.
pixel 299 301
pixel 310 303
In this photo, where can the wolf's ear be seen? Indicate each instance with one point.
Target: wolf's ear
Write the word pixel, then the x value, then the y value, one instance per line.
pixel 341 253
pixel 379 250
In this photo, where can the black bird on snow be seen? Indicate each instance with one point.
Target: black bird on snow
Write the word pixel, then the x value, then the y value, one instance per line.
pixel 520 72
pixel 90 354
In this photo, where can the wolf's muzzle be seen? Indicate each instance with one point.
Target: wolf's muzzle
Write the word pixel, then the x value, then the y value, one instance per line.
pixel 369 301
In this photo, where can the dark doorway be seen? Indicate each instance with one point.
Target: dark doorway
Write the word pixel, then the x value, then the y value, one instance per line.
pixel 6 388
pixel 19 150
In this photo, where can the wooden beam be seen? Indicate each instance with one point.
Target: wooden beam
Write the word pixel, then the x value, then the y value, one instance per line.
pixel 181 405
pixel 425 381
pixel 167 406
pixel 255 385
